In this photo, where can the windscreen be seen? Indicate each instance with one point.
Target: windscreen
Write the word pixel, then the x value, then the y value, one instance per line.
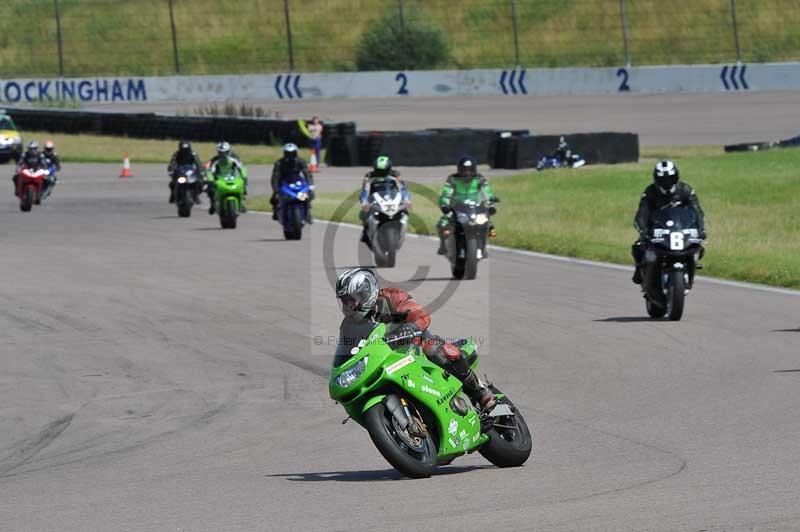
pixel 384 188
pixel 681 218
pixel 351 332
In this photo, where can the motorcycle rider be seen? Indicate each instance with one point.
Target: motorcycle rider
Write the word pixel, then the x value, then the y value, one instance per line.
pixel 289 167
pixel 361 299
pixel 666 191
pixel 32 159
pixel 184 155
pixel 381 170
pixel 465 184
pixel 224 165
pixel 563 153
pixel 51 156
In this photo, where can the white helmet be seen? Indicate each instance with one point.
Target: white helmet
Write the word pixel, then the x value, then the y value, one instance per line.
pixel 357 291
pixel 290 149
pixel 666 175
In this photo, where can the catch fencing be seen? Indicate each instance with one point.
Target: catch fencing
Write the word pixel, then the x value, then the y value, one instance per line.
pixel 74 38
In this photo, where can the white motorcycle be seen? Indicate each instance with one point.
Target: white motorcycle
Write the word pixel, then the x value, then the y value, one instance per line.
pixel 386 221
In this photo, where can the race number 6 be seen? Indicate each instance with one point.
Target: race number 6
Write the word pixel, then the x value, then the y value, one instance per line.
pixel 401 77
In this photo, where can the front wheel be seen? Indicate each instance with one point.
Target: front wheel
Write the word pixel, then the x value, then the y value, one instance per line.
pixel 676 295
pixel 510 441
pixel 414 456
pixel 229 213
pixel 185 203
pixel 654 310
pixel 471 264
pixel 293 230
pixel 26 203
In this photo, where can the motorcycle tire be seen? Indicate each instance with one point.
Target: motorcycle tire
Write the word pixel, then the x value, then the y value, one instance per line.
pixel 676 295
pixel 383 432
pixel 508 447
pixel 386 252
pixel 229 213
pixel 653 309
pixel 471 262
pixel 293 230
pixel 185 204
pixel 26 203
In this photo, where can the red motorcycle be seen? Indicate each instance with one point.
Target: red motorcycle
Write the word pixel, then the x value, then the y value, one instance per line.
pixel 30 183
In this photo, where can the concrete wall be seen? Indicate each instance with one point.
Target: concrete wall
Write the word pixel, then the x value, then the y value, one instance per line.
pixel 511 83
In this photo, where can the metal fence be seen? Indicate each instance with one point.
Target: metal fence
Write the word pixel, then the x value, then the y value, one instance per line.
pixel 162 37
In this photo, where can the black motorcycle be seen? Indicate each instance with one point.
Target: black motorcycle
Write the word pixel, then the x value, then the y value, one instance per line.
pixel 188 186
pixel 466 236
pixel 670 261
pixel 386 221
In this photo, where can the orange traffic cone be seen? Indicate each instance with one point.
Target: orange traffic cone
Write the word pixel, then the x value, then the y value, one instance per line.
pixel 126 167
pixel 313 165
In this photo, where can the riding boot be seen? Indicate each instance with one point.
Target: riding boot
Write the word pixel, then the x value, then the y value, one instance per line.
pixel 365 238
pixel 274 202
pixel 309 218
pixel 637 275
pixel 442 248
pixel 472 385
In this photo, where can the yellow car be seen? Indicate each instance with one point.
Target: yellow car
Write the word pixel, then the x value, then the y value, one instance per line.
pixel 10 139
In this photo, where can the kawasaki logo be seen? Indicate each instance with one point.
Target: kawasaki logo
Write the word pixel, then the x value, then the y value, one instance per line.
pixel 447 396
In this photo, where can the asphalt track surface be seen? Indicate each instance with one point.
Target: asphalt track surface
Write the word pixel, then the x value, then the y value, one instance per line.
pixel 678 119
pixel 161 374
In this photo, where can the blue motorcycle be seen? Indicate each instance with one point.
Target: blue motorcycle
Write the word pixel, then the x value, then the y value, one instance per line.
pixel 548 161
pixel 294 200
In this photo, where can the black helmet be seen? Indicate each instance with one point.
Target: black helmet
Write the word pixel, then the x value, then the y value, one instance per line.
pixel 666 176
pixel 467 167
pixel 382 166
pixel 184 146
pixel 357 291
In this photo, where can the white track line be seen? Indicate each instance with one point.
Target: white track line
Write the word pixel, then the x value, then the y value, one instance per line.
pixel 596 264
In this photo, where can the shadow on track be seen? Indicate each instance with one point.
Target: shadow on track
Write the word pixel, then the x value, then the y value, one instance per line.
pixel 436 279
pixel 628 319
pixel 787 330
pixel 370 476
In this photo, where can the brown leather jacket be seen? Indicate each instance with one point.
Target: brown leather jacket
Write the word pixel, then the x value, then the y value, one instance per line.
pixel 395 305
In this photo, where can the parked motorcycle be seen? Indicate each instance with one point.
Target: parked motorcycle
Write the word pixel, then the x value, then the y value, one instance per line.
pixel 187 189
pixel 466 236
pixel 293 202
pixel 228 196
pixel 30 184
pixel 414 411
pixel 386 222
pixel 548 161
pixel 670 261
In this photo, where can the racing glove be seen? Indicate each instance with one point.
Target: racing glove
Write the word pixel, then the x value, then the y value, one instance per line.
pixel 446 209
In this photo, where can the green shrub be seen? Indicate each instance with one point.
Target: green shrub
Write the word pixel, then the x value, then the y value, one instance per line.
pixel 381 46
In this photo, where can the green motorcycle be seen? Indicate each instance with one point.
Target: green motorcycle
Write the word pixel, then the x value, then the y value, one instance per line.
pixel 415 411
pixel 229 196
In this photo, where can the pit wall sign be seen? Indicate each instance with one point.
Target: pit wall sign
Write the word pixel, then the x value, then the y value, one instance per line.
pixel 510 83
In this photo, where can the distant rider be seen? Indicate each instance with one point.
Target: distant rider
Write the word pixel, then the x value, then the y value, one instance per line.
pixel 665 191
pixel 563 153
pixel 465 184
pixel 224 165
pixel 362 299
pixel 381 170
pixel 290 167
pixel 51 155
pixel 184 156
pixel 34 160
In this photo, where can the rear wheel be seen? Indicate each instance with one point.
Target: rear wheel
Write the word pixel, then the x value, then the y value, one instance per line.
pixel 26 203
pixel 510 440
pixel 414 456
pixel 676 295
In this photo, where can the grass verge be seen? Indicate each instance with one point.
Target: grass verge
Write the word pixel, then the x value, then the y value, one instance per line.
pixel 751 201
pixel 106 149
